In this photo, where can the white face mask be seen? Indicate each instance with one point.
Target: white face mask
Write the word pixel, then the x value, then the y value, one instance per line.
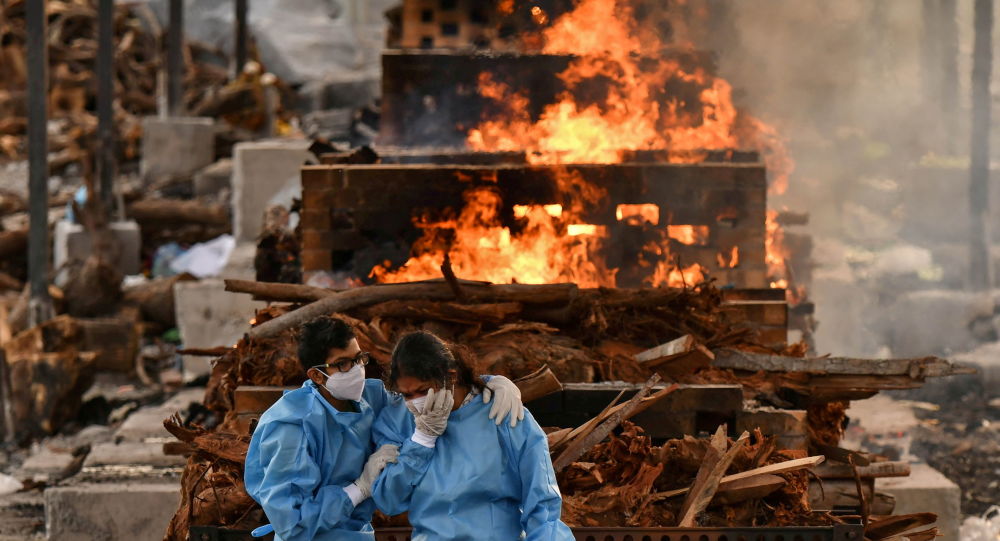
pixel 346 385
pixel 417 404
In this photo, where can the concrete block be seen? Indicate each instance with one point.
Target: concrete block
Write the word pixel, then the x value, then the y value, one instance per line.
pixel 110 511
pixel 176 146
pixel 214 178
pixel 927 489
pixel 72 242
pixel 146 424
pixel 261 171
pixel 208 316
pixel 131 453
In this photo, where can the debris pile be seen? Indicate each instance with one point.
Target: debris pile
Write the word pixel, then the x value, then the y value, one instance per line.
pixel 609 470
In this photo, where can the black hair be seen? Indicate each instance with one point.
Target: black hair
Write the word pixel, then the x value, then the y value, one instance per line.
pixel 319 336
pixel 424 356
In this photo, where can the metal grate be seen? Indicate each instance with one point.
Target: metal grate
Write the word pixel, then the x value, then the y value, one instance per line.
pixel 845 532
pixel 810 533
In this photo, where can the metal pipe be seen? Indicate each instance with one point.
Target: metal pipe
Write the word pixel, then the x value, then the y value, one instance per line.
pixel 105 99
pixel 175 59
pixel 981 268
pixel 38 166
pixel 240 46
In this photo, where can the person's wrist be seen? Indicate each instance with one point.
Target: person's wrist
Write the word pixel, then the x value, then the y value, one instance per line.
pixel 423 438
pixel 356 493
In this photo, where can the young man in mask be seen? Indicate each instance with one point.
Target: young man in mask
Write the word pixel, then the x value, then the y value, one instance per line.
pixel 311 462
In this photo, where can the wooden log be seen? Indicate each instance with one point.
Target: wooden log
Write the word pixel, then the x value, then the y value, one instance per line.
pixel 277 292
pixel 539 383
pixel 13 242
pixel 177 211
pixel 916 368
pixel 432 290
pixel 707 481
pixel 781 467
pixel 884 527
pixel 678 357
pixel 469 314
pixel 155 299
pixel 577 448
pixel 9 283
pixel 753 488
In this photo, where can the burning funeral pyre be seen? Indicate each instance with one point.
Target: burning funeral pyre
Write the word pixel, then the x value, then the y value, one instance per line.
pixel 604 229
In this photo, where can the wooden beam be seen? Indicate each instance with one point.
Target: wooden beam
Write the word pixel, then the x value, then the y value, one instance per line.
pixel 709 476
pixel 781 467
pixel 918 368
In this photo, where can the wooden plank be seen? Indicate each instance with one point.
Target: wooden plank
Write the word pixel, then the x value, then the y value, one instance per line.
pixel 753 488
pixel 884 527
pixel 709 476
pixel 781 467
pixel 576 449
pixel 922 367
pixel 872 470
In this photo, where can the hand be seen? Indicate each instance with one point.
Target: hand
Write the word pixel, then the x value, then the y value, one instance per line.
pixel 433 420
pixel 374 466
pixel 506 400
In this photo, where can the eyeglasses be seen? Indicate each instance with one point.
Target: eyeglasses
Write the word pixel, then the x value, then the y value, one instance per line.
pixel 345 365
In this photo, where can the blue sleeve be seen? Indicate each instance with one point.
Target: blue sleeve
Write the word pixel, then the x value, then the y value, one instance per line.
pixel 286 484
pixel 541 502
pixel 394 487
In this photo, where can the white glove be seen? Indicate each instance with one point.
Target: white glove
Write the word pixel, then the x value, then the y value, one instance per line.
pixel 506 400
pixel 433 419
pixel 376 463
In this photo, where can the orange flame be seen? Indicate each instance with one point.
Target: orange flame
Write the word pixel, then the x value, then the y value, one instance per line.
pixel 638 214
pixel 689 234
pixel 545 250
pixel 775 254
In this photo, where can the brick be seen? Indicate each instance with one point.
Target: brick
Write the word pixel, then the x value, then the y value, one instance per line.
pixel 316 260
pixel 316 219
pixel 317 198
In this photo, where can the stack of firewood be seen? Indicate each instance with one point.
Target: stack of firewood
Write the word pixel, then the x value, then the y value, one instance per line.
pixel 610 472
pixel 72 39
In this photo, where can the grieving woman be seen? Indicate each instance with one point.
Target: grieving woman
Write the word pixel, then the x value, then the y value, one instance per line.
pixel 460 475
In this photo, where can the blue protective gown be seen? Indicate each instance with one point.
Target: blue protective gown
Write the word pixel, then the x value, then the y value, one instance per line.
pixel 480 482
pixel 302 455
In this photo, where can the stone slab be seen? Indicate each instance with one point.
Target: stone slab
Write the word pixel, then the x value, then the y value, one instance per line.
pixel 208 316
pixel 176 146
pixel 147 423
pixel 131 453
pixel 261 171
pixel 44 462
pixel 927 489
pixel 70 242
pixel 110 512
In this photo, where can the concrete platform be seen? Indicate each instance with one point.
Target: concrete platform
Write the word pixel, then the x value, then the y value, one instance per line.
pixel 927 489
pixel 110 512
pixel 132 453
pixel 147 423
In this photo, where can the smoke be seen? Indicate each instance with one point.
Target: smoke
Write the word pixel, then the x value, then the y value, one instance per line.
pixel 872 100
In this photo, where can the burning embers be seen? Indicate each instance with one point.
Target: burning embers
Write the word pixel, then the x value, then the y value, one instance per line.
pixel 572 241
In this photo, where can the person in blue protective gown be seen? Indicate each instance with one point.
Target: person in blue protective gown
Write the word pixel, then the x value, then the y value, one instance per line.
pixel 311 462
pixel 460 476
